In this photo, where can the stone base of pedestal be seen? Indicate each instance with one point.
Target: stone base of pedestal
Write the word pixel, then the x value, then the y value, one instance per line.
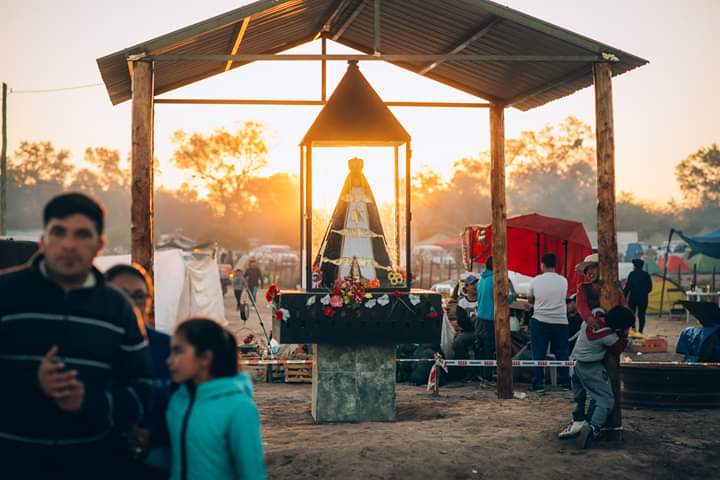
pixel 353 383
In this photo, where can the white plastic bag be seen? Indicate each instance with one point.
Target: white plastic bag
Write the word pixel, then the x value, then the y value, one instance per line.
pixel 447 337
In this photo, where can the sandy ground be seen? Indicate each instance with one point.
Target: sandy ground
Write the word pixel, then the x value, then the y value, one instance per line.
pixel 466 432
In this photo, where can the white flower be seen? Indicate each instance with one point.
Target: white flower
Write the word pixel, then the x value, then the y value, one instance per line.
pixel 310 301
pixel 383 300
pixel 285 313
pixel 370 303
pixel 325 300
pixel 414 299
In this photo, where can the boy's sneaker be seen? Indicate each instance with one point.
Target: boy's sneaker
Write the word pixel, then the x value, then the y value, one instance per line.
pixel 572 430
pixel 589 433
pixel 537 388
pixel 566 387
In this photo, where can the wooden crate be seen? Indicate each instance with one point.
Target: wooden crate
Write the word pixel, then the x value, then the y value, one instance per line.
pixel 258 373
pixel 298 373
pixel 649 345
pixel 276 373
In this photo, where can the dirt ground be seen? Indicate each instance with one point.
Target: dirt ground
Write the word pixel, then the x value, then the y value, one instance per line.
pixel 466 432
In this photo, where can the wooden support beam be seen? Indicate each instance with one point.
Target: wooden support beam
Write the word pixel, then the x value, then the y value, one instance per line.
pixel 391 57
pixel 499 252
pixel 307 103
pixel 397 204
pixel 376 26
pixel 606 226
pixel 465 43
pixel 3 164
pixel 323 70
pixel 350 19
pixel 238 41
pixel 341 5
pixel 142 191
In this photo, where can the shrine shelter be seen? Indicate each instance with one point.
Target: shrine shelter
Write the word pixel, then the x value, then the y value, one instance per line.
pixel 504 57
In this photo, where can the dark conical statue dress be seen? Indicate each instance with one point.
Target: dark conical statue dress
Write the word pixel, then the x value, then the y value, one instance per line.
pixel 354 240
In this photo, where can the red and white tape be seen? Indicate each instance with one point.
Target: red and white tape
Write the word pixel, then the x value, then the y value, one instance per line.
pixel 490 363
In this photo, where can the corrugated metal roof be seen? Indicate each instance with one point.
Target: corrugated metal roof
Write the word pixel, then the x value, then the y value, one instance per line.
pixel 407 27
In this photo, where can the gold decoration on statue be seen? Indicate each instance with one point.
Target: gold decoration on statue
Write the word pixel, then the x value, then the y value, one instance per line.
pixel 357 232
pixel 362 262
pixel 395 278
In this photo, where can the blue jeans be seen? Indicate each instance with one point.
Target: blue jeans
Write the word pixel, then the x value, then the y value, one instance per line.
pixel 556 335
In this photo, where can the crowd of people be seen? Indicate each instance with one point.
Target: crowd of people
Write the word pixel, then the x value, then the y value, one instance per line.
pixel 572 327
pixel 90 391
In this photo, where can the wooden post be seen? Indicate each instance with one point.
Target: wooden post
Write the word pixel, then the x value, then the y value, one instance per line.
pixel 499 252
pixel 142 191
pixel 606 226
pixel 3 165
pixel 397 208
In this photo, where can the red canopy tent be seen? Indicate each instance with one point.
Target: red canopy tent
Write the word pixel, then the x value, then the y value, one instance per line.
pixel 675 264
pixel 528 238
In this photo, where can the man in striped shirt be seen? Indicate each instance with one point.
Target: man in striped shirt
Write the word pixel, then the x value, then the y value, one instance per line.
pixel 74 363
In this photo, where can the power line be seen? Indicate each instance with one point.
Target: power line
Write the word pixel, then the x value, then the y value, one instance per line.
pixel 60 89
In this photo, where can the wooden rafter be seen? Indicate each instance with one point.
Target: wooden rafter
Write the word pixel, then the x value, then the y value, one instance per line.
pixel 238 41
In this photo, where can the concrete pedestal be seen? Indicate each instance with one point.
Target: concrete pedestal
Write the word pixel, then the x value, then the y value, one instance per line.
pixel 353 383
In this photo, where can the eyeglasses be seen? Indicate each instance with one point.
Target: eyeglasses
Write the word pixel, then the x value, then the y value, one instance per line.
pixel 139 296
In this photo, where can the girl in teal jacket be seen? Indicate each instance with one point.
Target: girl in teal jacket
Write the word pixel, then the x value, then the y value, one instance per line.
pixel 213 423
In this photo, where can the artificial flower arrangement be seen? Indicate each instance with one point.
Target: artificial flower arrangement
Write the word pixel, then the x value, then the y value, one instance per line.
pixel 349 296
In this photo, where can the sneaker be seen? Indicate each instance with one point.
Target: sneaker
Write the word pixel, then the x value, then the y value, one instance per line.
pixel 537 388
pixel 566 388
pixel 572 430
pixel 588 434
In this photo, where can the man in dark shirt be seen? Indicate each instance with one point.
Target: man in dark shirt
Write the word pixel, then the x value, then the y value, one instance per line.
pixel 637 289
pixel 74 363
pixel 253 275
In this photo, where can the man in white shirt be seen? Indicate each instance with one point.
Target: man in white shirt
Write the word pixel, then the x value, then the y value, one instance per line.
pixel 549 324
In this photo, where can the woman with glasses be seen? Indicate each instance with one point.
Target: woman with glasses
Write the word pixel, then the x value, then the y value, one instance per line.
pixel 145 442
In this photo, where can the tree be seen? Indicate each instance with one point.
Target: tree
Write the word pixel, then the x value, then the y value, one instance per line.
pixel 222 163
pixel 37 163
pixel 699 176
pixel 111 176
pixel 552 171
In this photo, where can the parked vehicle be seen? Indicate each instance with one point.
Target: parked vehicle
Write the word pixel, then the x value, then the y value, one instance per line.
pixel 432 254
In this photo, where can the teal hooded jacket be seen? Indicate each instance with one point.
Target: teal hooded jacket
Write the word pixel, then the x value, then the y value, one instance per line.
pixel 215 431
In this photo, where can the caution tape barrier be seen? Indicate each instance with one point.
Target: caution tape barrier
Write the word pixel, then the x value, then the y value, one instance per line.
pixel 490 363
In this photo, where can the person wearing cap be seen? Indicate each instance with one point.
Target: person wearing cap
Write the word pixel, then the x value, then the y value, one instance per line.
pixel 549 323
pixel 637 288
pixel 466 315
pixel 486 319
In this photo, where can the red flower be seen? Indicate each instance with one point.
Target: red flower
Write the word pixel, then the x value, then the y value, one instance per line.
pixel 397 294
pixel 432 314
pixel 278 315
pixel 272 293
pixel 328 311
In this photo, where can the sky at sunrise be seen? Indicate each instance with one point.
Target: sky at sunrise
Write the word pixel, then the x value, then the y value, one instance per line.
pixel 664 111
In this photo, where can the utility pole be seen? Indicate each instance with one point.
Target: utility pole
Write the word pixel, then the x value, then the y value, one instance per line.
pixel 3 165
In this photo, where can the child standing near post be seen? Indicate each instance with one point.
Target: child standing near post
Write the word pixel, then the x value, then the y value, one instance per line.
pixel 213 423
pixel 590 374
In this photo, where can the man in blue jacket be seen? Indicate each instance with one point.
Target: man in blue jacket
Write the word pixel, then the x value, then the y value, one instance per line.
pixel 486 319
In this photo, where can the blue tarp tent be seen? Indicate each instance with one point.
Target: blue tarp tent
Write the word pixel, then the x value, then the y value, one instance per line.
pixel 707 244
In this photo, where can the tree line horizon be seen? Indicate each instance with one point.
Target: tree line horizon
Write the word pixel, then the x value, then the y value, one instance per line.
pixel 550 171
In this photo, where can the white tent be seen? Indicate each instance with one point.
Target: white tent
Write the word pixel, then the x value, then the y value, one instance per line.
pixel 183 287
